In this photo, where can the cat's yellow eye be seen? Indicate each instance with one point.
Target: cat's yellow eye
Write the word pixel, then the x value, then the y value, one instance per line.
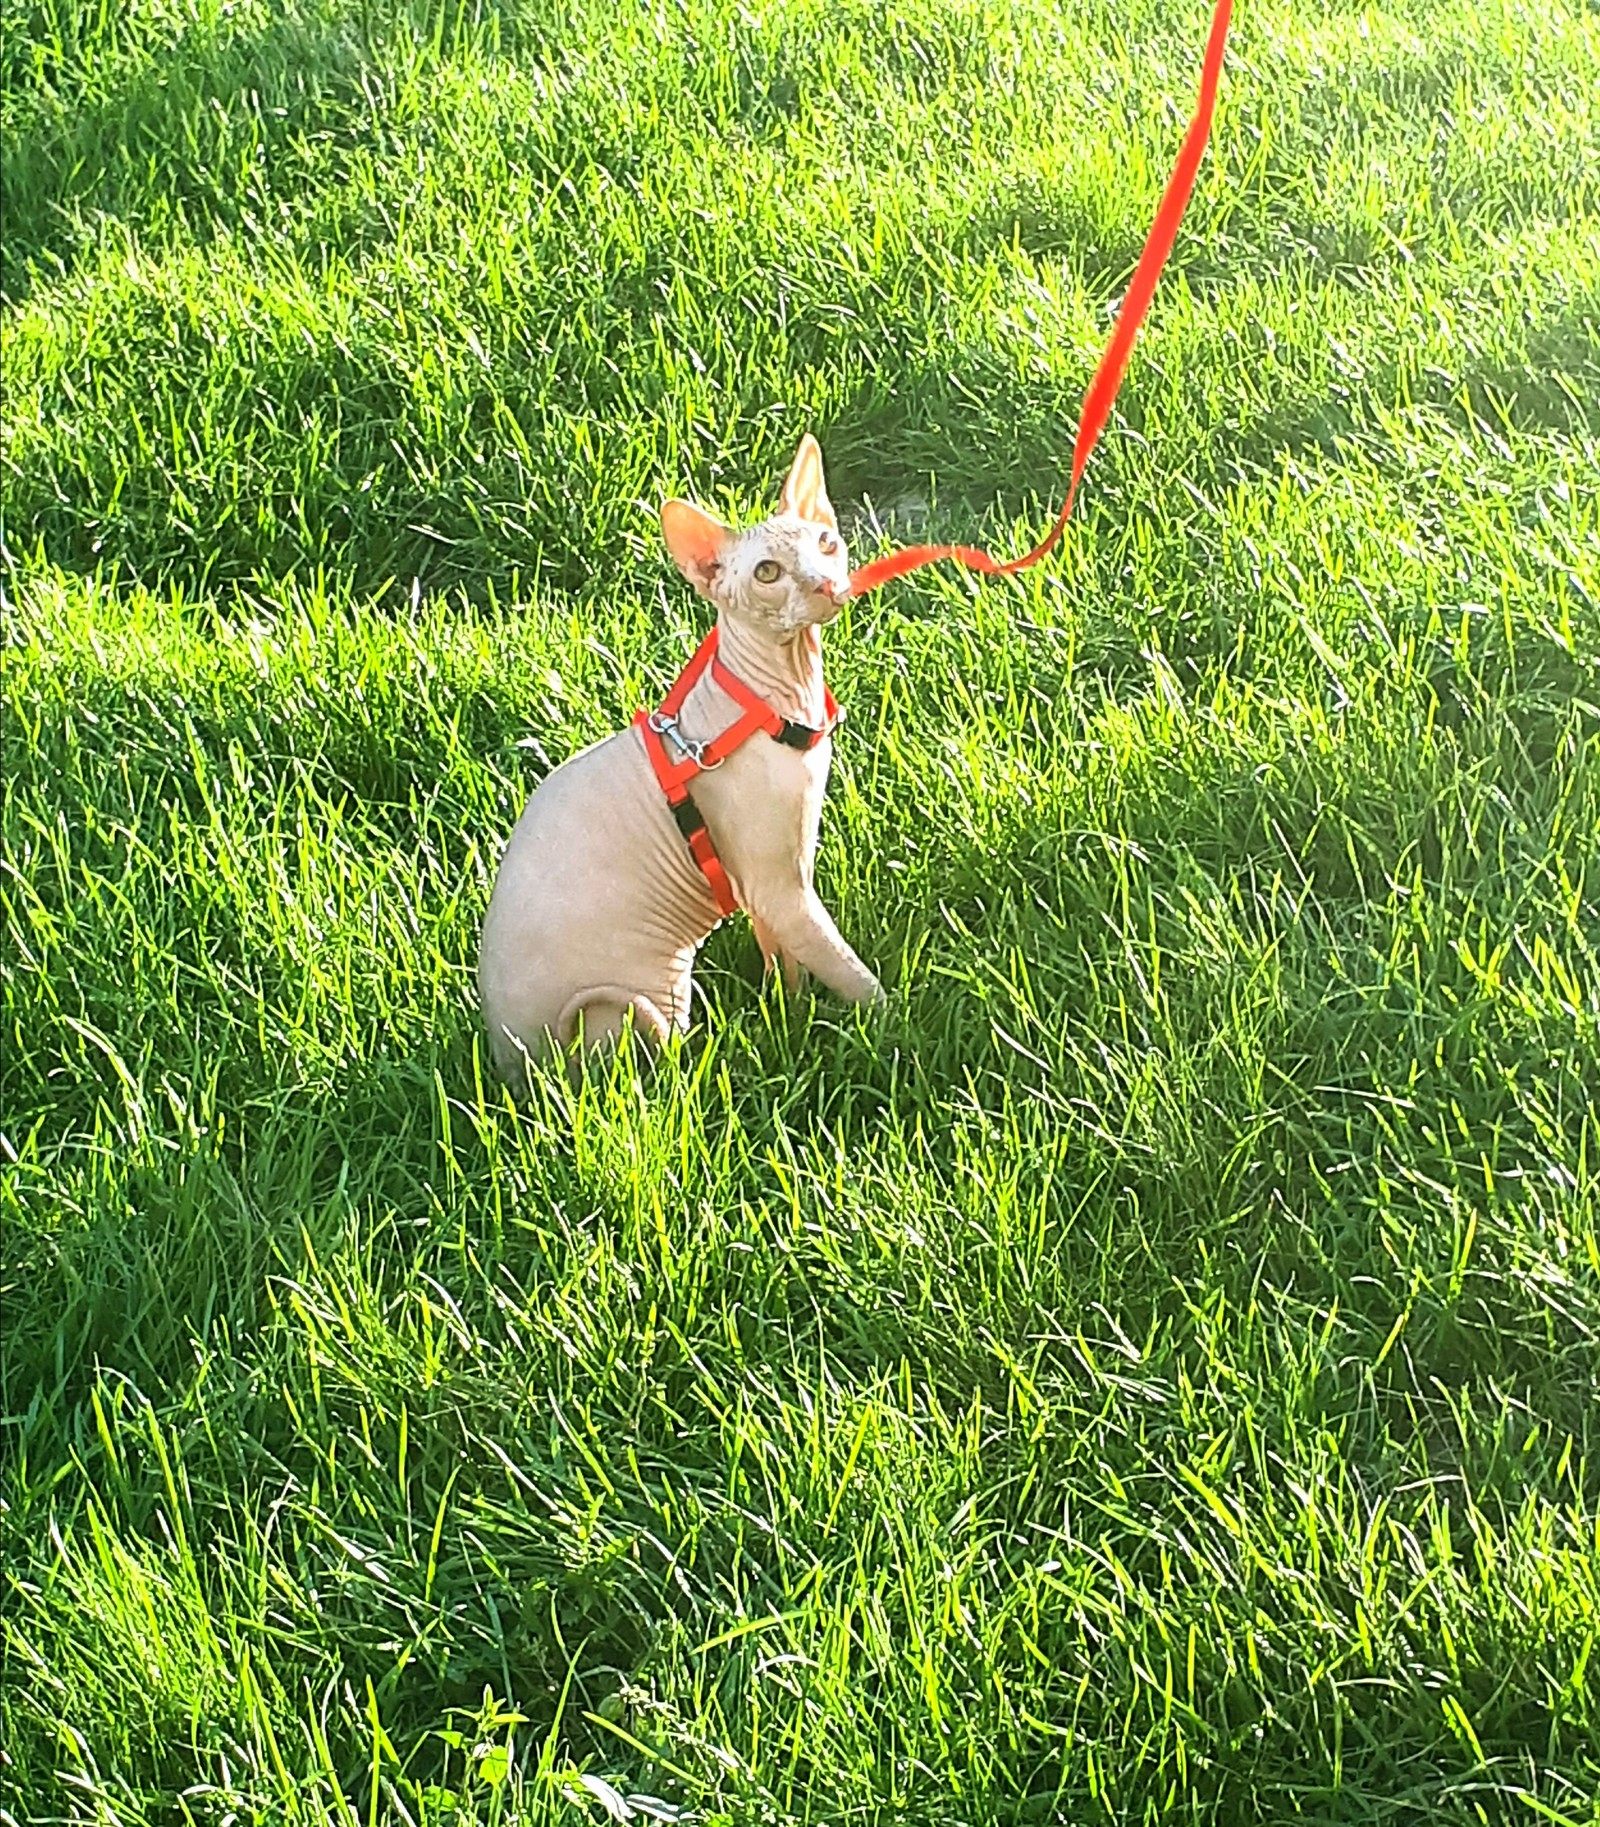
pixel 827 545
pixel 767 572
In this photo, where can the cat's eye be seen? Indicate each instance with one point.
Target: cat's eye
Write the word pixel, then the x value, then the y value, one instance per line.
pixel 827 545
pixel 768 571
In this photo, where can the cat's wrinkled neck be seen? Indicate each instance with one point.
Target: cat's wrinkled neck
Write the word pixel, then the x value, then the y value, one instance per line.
pixel 785 669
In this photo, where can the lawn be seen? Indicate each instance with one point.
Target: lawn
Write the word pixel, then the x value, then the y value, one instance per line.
pixel 1150 1371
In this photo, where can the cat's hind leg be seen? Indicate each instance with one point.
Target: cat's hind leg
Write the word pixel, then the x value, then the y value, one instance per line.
pixel 603 1011
pixel 593 1018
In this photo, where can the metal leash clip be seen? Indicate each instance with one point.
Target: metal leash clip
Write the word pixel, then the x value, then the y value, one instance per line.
pixel 667 726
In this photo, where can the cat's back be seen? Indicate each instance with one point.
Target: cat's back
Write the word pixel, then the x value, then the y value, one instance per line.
pixel 596 885
pixel 585 812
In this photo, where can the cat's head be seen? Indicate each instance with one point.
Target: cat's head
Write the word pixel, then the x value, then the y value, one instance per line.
pixel 785 573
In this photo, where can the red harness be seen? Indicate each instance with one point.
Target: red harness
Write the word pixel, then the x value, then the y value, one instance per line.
pixel 661 727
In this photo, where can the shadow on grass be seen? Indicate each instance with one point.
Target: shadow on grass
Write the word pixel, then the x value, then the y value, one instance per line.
pixel 219 111
pixel 975 412
pixel 992 436
pixel 87 157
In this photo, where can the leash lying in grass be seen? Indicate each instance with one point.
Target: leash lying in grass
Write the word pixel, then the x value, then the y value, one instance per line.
pixel 1108 376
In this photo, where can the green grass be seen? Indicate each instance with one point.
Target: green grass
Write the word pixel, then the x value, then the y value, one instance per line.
pixel 1153 1372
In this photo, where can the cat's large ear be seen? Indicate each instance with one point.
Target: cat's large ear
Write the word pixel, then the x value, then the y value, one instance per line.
pixel 804 491
pixel 696 541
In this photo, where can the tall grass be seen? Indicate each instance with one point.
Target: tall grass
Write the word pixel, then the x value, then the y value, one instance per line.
pixel 1151 1372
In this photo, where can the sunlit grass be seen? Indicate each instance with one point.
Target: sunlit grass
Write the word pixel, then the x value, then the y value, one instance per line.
pixel 1148 1373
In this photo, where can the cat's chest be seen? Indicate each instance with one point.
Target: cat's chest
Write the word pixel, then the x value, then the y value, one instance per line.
pixel 766 800
pixel 776 774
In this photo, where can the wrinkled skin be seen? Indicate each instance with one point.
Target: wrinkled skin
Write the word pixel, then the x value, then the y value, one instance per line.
pixel 598 907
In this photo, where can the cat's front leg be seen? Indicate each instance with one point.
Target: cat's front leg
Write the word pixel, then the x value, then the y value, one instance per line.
pixel 773 954
pixel 806 936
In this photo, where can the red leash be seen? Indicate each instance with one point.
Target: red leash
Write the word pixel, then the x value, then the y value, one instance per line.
pixel 1108 376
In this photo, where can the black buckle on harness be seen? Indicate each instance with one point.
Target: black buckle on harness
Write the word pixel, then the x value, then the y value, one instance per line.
pixel 802 735
pixel 686 816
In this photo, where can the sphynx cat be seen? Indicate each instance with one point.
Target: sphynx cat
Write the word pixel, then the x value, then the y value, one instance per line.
pixel 600 902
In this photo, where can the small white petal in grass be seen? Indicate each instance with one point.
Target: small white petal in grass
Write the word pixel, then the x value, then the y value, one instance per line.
pixel 610 1799
pixel 655 1809
pixel 910 513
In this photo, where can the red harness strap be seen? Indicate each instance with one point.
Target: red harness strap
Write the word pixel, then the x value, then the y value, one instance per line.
pixel 660 727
